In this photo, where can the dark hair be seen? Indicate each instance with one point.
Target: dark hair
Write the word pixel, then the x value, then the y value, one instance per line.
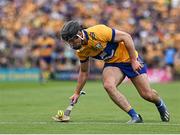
pixel 69 30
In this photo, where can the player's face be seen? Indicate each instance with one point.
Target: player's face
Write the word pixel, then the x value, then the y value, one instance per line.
pixel 75 42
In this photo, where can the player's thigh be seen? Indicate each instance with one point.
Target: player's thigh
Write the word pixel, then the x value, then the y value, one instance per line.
pixel 112 75
pixel 141 83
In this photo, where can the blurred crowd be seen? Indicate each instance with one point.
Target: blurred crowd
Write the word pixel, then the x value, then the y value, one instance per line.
pixel 29 30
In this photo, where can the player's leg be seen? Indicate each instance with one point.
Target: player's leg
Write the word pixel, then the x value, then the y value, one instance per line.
pixel 112 77
pixel 141 83
pixel 45 68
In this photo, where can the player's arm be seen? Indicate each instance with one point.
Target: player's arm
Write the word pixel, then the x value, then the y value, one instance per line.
pixel 83 75
pixel 127 39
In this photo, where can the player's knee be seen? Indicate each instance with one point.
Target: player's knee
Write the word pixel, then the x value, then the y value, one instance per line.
pixel 108 86
pixel 148 95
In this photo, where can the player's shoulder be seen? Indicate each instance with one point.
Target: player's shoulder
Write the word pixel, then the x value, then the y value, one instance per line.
pixel 97 27
pixel 99 32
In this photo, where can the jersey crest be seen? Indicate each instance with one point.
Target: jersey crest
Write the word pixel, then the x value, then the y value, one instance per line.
pixel 98 46
pixel 93 36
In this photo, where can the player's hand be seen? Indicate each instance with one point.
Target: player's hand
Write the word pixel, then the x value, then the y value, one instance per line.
pixel 136 66
pixel 74 98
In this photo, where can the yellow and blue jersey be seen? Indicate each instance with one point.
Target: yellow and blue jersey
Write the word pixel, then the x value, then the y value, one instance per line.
pixel 101 45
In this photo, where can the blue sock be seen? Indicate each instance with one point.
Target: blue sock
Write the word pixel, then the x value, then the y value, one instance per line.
pixel 161 106
pixel 159 103
pixel 132 113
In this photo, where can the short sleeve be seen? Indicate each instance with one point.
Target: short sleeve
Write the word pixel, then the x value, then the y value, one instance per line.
pixel 81 57
pixel 104 33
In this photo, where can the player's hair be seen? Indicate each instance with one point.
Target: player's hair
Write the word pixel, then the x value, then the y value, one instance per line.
pixel 70 29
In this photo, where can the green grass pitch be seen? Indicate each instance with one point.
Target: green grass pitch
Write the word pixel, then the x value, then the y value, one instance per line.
pixel 28 107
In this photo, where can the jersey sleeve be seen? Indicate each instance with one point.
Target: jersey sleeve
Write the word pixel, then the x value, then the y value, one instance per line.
pixel 81 57
pixel 104 33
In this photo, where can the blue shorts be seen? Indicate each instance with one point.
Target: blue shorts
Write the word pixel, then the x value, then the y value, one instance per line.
pixel 127 69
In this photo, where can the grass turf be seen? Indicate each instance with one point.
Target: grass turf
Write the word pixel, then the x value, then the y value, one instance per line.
pixel 28 107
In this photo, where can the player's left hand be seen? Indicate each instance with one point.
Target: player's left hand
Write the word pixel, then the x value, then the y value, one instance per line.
pixel 136 66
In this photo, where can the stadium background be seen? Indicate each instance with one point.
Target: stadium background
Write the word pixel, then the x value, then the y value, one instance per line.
pixel 30 29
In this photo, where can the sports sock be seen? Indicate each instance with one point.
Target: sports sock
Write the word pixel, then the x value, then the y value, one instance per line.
pixel 161 106
pixel 133 113
pixel 160 103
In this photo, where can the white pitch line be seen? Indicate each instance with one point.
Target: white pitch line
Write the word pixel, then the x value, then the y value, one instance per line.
pixel 87 123
pixel 20 123
pixel 116 123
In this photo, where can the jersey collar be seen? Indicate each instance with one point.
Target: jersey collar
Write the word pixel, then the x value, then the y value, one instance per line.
pixel 86 35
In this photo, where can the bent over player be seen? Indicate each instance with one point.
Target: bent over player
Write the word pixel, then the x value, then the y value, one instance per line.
pixel 121 59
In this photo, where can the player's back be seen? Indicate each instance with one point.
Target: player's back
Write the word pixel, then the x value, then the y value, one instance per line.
pixel 101 45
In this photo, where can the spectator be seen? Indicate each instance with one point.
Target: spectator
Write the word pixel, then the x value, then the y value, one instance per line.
pixel 169 60
pixel 24 22
pixel 177 61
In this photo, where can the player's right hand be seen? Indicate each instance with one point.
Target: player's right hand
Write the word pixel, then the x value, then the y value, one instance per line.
pixel 136 66
pixel 74 98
